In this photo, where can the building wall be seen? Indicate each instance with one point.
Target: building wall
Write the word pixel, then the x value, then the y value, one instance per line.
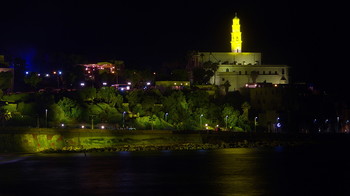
pixel 244 58
pixel 239 76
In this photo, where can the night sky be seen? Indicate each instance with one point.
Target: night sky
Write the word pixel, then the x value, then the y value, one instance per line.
pixel 146 34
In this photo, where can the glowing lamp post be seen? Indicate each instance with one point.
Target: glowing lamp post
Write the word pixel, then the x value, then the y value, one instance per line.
pixel 46 117
pixel 166 116
pixel 255 121
pixel 200 120
pixel 124 119
pixel 92 121
pixel 278 124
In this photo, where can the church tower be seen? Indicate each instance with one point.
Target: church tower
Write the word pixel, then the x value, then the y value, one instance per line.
pixel 236 36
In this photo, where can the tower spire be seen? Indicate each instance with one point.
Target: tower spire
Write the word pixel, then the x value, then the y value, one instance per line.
pixel 236 35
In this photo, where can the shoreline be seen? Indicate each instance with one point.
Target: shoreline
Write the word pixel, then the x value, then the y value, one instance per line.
pixel 78 140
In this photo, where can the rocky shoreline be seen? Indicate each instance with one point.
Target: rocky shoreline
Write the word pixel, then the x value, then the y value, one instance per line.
pixel 181 147
pixel 73 140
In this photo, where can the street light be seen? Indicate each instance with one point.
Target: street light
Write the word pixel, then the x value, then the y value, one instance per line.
pixel 278 124
pixel 92 121
pixel 337 128
pixel 255 123
pixel 124 119
pixel 166 116
pixel 200 120
pixel 46 117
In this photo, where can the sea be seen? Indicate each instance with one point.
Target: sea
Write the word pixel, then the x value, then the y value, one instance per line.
pixel 304 170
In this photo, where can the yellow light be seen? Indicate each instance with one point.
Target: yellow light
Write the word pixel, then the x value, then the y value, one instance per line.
pixel 236 36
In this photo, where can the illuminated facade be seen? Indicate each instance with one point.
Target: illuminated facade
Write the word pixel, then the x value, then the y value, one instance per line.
pixel 90 69
pixel 236 36
pixel 241 69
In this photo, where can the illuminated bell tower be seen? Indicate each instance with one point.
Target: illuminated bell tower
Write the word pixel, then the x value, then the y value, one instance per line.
pixel 236 36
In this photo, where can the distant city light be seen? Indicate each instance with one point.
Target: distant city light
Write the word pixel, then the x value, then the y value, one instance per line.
pixel 47 75
pixel 82 84
pixel 62 125
pixel 104 83
pixel 59 72
pixel 102 127
pixel 54 73
pixel 128 88
pixel 27 72
pixel 148 83
pixel 82 126
pixel 129 83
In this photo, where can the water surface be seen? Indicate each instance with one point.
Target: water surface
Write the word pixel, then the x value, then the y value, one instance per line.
pixel 245 172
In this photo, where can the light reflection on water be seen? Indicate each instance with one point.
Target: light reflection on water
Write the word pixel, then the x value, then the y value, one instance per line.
pixel 247 172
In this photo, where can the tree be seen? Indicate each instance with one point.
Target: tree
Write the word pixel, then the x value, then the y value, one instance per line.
pixel 245 107
pixel 87 94
pixel 32 80
pixel 226 86
pixel 108 95
pixel 177 107
pixel 202 75
pixel 70 107
pixel 134 98
pixel 151 120
pixel 231 116
pixel 5 79
pixel 4 115
pixel 149 100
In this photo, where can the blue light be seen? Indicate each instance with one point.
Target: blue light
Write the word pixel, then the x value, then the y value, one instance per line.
pixel 59 72
pixel 27 72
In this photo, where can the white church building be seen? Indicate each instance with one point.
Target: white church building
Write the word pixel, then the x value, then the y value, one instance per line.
pixel 242 69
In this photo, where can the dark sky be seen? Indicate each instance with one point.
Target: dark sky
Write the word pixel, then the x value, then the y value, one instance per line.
pixel 310 37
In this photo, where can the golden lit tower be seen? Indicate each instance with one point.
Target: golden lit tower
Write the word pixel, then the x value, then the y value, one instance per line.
pixel 236 36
